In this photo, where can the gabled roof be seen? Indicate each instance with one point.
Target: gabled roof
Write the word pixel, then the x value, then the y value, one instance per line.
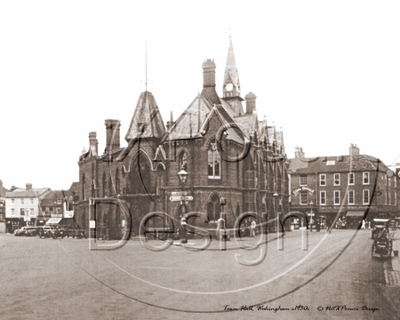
pixel 23 193
pixel 248 123
pixel 146 121
pixel 233 133
pixel 271 134
pixel 74 187
pixel 280 142
pixel 263 131
pixel 190 121
pixel 333 164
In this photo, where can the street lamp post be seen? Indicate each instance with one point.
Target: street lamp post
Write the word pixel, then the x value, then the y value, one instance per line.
pixel 311 216
pixel 182 178
pixel 275 197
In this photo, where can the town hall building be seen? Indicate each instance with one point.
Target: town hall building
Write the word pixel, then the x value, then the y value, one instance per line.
pixel 217 148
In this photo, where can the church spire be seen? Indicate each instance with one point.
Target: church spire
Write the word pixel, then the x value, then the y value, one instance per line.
pixel 231 87
pixel 231 78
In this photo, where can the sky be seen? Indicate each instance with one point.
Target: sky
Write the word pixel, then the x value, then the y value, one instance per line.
pixel 327 72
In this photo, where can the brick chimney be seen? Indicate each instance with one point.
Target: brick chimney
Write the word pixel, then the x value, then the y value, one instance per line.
pixel 93 141
pixel 112 134
pixel 209 73
pixel 250 102
pixel 28 186
pixel 354 150
pixel 298 152
pixel 1 184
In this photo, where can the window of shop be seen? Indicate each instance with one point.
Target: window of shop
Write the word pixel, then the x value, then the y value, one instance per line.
pixel 32 212
pixel 31 200
pixel 336 179
pixel 322 197
pixel 303 180
pixel 365 196
pixel 365 177
pixel 336 197
pixel 351 196
pixel 12 211
pixel 351 178
pixel 22 212
pixel 322 180
pixel 303 198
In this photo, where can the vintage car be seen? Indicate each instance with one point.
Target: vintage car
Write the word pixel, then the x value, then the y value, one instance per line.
pixel 25 231
pixel 379 226
pixel 382 245
pixel 41 231
pixel 56 232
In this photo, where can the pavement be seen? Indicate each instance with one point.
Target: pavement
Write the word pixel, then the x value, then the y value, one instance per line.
pixel 392 270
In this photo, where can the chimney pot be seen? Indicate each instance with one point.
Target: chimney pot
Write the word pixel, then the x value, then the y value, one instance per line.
pixel 250 102
pixel 28 186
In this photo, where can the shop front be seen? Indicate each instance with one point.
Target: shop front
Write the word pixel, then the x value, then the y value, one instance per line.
pixel 354 218
pixel 13 224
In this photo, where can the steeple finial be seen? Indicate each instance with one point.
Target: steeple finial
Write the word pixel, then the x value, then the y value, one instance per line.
pixel 146 65
pixel 146 80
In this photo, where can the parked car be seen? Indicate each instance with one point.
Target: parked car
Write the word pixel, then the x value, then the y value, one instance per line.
pixel 25 231
pixel 56 232
pixel 41 231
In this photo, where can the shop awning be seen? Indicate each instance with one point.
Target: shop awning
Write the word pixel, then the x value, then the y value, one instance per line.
pixel 53 221
pixel 355 213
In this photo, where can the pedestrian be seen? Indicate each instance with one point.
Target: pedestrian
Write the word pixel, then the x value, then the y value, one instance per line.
pixel 253 228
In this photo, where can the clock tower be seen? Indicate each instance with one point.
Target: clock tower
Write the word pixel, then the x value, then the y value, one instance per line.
pixel 231 86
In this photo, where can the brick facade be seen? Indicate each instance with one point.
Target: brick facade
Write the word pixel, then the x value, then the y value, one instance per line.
pixel 145 174
pixel 355 198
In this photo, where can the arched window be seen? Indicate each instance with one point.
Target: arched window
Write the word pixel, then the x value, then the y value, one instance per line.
pixel 139 176
pixel 83 187
pixel 117 182
pixel 104 185
pixel 237 210
pixel 183 159
pixel 160 177
pixel 214 208
pixel 93 189
pixel 214 162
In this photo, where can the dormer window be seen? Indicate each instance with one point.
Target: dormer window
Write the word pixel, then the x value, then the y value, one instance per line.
pixel 214 162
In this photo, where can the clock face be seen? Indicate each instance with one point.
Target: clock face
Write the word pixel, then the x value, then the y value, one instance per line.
pixel 229 87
